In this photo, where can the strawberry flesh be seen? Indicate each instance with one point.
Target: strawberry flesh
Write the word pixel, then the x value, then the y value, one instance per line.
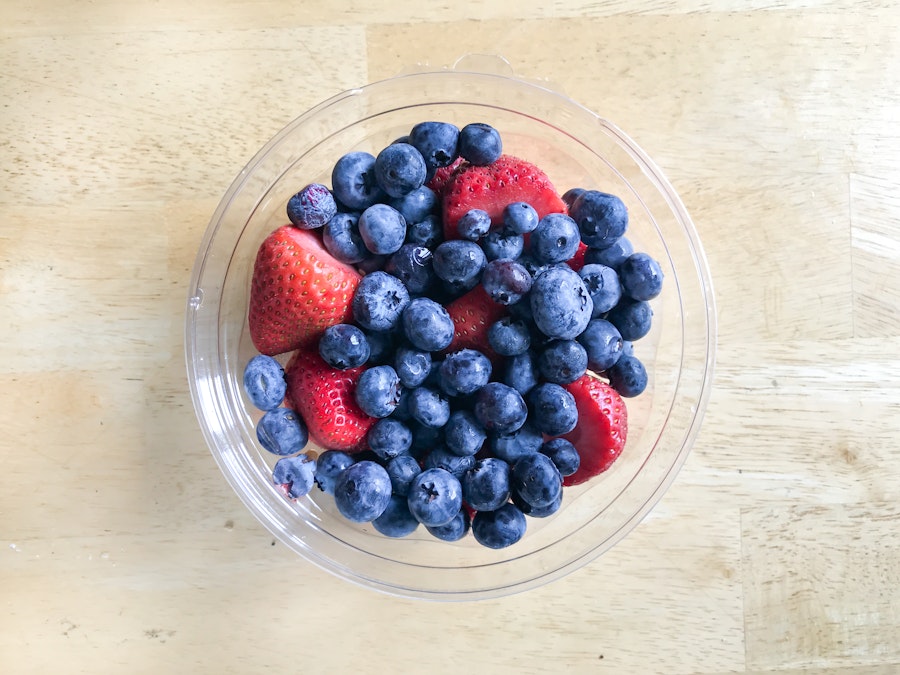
pixel 602 427
pixel 473 314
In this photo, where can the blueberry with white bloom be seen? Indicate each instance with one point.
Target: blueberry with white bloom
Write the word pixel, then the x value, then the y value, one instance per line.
pixel 378 391
pixel 264 382
pixel 400 169
pixel 435 497
pixel 297 473
pixel 379 301
pixel 382 229
pixel 500 528
pixel 362 491
pixel 312 207
pixel 344 346
pixel 480 144
pixel 353 181
pixel 282 432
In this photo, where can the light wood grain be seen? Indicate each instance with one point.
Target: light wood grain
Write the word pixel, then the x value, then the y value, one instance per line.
pixel 122 548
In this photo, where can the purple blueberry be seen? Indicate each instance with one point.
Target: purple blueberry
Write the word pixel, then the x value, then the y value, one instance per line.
pixel 437 142
pixel 264 382
pixel 441 458
pixel 505 281
pixel 428 325
pixel 297 473
pixel 463 433
pixel 498 244
pixel 459 264
pixel 521 373
pixel 282 432
pixel 428 232
pixel 412 366
pixel 415 205
pixel 523 441
pixel 414 266
pixel 632 318
pixel 428 407
pixel 611 256
pixel 402 469
pixel 536 480
pixel 312 207
pixel 456 529
pixel 509 336
pixel 474 224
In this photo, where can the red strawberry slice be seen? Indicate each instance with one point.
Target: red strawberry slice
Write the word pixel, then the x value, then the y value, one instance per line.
pixel 602 427
pixel 472 314
pixel 297 291
pixel 490 188
pixel 443 175
pixel 324 398
pixel 577 260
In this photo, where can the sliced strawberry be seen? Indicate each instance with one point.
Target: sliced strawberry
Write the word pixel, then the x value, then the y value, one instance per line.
pixel 490 188
pixel 577 260
pixel 324 398
pixel 602 427
pixel 472 315
pixel 297 291
pixel 443 175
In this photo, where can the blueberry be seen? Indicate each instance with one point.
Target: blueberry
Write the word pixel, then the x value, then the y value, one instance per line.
pixel 553 409
pixel 428 232
pixel 415 205
pixel 628 376
pixel 381 346
pixel 603 344
pixel 536 480
pixel 382 229
pixel 341 237
pixel 402 469
pixel 435 497
pixel 312 207
pixel 563 361
pixel 437 142
pixel 555 239
pixel 509 336
pixel 298 473
pixel 362 491
pixel 474 224
pixel 633 318
pixel 389 438
pixel 563 454
pixel 378 391
pixel 463 434
pixel 500 528
pixel 464 372
pixel 414 266
pixel 560 303
pixel 282 432
pixel 627 348
pixel 379 301
pixel 524 441
pixel 611 256
pixel 521 373
pixel 441 458
pixel 520 218
pixel 427 325
pixel 372 263
pixel 601 218
pixel 485 487
pixel 534 512
pixel 264 382
pixel 602 283
pixel 498 244
pixel 500 408
pixel 428 407
pixel 425 438
pixel 412 366
pixel 480 144
pixel 343 346
pixel 505 281
pixel 528 261
pixel 353 181
pixel 459 263
pixel 641 276
pixel 396 520
pixel 456 529
pixel 329 464
pixel 571 195
pixel 399 169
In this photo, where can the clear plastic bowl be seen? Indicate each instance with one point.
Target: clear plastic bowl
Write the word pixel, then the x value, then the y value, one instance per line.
pixel 576 148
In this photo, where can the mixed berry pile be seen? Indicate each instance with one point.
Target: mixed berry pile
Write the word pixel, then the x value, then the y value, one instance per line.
pixel 447 315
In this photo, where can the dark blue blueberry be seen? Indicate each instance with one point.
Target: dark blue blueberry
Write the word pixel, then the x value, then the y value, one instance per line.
pixel 602 283
pixel 542 512
pixel 399 169
pixel 378 391
pixel 264 382
pixel 498 244
pixel 428 325
pixel 555 239
pixel 500 528
pixel 633 318
pixel 464 372
pixel 362 491
pixel 416 205
pixel 455 530
pixel 603 344
pixel 329 464
pixel 427 406
pixel 437 142
pixel 563 454
pixel 282 432
pixel 611 256
pixel 463 434
pixel 474 224
pixel 435 497
pixel 425 438
pixel 379 301
pixel 428 232
pixel 509 336
pixel 459 263
pixel 480 144
pixel 505 281
pixel 485 487
pixel 312 207
pixel 373 263
pixel 571 195
pixel 641 276
pixel 441 458
pixel 412 366
pixel 381 346
pixel 553 409
pixel 499 408
pixel 341 238
pixel 530 263
pixel 298 473
pixel 414 266
pixel 401 412
pixel 628 376
pixel 520 218
pixel 560 304
pixel 389 438
pixel 524 441
pixel 521 373
pixel 563 361
pixel 353 181
pixel 601 218
pixel 396 520
pixel 402 469
pixel 536 480
pixel 382 229
pixel 343 346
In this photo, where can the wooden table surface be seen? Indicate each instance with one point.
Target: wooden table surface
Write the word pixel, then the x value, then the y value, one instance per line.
pixel 122 548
